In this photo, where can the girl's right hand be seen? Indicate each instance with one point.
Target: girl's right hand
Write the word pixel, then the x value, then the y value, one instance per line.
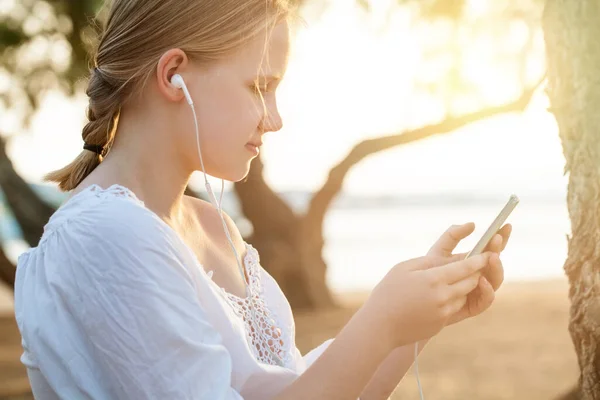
pixel 417 297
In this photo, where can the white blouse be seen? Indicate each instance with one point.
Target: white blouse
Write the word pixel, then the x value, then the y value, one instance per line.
pixel 112 304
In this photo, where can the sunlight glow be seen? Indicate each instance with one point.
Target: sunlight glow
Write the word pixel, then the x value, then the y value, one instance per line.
pixel 347 82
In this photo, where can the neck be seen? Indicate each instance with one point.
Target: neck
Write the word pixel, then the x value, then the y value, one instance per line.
pixel 153 170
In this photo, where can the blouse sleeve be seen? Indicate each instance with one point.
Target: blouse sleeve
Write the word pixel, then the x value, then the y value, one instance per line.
pixel 108 309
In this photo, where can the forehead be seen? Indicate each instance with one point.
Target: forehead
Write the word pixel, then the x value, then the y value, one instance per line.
pixel 265 54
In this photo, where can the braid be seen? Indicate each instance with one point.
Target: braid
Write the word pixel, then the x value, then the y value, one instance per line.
pixel 99 133
pixel 102 113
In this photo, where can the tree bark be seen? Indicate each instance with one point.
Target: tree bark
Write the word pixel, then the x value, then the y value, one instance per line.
pixel 291 246
pixel 572 33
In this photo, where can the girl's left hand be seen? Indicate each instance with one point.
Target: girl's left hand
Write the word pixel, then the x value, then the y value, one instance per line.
pixel 492 276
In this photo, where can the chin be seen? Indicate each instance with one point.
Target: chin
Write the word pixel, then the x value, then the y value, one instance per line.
pixel 241 176
pixel 229 169
pixel 236 175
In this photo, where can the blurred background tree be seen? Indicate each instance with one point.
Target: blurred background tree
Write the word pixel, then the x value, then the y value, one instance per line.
pixel 47 45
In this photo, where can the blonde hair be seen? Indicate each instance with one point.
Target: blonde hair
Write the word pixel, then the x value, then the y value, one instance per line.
pixel 136 34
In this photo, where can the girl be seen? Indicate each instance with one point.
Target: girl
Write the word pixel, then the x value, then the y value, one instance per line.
pixel 136 291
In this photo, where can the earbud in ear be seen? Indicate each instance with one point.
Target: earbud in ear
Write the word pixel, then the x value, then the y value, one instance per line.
pixel 177 81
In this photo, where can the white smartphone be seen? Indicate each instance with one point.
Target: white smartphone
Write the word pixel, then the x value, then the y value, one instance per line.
pixel 495 226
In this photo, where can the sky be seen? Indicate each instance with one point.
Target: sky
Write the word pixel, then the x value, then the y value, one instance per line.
pixel 351 77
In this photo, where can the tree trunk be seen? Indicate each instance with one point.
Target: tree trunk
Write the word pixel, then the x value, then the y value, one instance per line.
pixel 294 260
pixel 31 212
pixel 7 270
pixel 572 35
pixel 291 246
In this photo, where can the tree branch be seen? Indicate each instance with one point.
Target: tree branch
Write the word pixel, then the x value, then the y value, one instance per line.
pixel 323 198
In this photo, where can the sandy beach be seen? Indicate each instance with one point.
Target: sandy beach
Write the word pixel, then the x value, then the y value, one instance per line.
pixel 519 349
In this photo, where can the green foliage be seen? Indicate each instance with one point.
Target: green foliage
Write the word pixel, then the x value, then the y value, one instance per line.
pixel 44 45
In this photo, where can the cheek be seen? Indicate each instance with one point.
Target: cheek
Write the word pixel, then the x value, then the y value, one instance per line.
pixel 230 116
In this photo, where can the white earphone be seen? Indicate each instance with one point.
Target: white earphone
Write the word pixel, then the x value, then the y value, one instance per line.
pixel 177 81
